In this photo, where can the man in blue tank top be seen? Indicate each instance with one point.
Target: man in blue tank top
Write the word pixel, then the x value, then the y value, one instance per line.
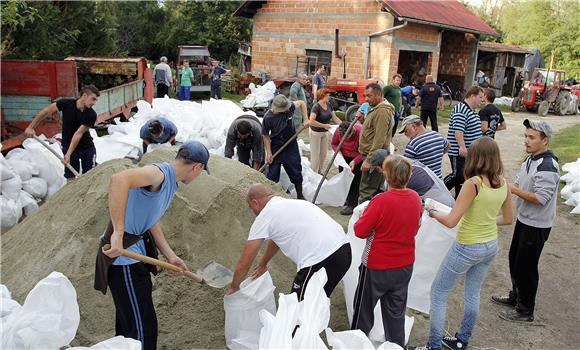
pixel 138 198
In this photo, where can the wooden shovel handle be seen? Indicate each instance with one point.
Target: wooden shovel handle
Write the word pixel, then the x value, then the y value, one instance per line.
pixel 159 263
pixel 283 147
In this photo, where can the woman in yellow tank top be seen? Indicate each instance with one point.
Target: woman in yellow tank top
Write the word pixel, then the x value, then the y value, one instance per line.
pixel 484 195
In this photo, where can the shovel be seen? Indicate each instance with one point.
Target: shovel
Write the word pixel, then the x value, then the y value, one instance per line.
pixel 213 274
pixel 75 173
pixel 283 147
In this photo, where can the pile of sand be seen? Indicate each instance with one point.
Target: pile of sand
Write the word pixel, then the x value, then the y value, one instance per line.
pixel 208 220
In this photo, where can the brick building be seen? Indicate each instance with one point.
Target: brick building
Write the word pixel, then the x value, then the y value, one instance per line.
pixel 366 38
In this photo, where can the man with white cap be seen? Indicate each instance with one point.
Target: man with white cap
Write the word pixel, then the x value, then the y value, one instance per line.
pixel 277 129
pixel 428 147
pixel 138 198
pixel 536 188
pixel 162 76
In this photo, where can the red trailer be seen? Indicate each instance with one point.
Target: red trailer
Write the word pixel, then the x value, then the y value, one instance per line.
pixel 29 86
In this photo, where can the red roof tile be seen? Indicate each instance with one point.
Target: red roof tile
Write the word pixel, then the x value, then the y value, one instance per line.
pixel 449 13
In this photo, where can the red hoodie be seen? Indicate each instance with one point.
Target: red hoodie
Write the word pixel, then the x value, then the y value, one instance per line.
pixel 390 224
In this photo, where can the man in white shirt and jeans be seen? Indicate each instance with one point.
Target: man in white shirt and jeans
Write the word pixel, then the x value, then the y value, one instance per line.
pixel 313 242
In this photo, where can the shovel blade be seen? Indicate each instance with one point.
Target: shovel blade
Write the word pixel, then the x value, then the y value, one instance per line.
pixel 216 275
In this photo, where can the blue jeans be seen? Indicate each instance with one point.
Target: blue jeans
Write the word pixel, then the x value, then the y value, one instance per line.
pixel 473 261
pixel 184 93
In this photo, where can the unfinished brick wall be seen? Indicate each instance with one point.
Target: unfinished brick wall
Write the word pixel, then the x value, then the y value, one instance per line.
pixel 454 58
pixel 285 29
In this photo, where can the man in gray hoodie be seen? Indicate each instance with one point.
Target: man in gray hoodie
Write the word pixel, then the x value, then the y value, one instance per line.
pixel 536 188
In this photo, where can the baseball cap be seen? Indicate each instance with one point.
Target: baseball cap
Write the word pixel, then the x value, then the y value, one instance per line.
pixel 196 152
pixel 378 158
pixel 407 121
pixel 539 126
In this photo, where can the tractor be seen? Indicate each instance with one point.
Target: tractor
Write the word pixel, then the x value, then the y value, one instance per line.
pixel 348 94
pixel 546 92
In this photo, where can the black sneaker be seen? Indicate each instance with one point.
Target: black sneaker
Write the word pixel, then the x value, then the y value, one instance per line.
pixel 503 300
pixel 515 316
pixel 346 210
pixel 453 343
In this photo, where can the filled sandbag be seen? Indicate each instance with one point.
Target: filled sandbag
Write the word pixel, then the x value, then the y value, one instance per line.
pixel 8 304
pixel 10 212
pixel 29 204
pixel 11 188
pixel 22 168
pixel 36 186
pixel 48 319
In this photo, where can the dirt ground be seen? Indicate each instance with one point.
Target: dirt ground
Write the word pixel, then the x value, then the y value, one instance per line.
pixel 558 301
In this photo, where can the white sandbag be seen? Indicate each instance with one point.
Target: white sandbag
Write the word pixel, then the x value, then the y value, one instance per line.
pixel 155 146
pixel 10 188
pixel 576 210
pixel 350 281
pixel 568 178
pixel 313 314
pixel 574 199
pixel 115 343
pixel 242 309
pixel 10 212
pixel 36 186
pixel 431 246
pixel 390 346
pixel 6 172
pixel 50 168
pixel 347 340
pixel 277 330
pixel 22 168
pixel 48 319
pixel 8 305
pixel 566 192
pixel 16 154
pixel 29 204
pixel 572 167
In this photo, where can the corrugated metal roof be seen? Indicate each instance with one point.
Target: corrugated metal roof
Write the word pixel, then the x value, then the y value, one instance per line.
pixel 447 13
pixel 490 46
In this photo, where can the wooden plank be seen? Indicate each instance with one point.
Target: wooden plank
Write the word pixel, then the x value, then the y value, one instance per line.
pixel 110 68
pixel 17 108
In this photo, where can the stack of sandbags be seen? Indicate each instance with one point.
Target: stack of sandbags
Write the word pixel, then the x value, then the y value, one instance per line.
pixel 29 175
pixel 260 95
pixel 571 192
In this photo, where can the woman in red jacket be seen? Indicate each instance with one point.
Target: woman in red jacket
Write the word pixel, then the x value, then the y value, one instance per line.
pixel 389 224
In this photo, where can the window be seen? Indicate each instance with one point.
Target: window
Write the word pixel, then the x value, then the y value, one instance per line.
pixel 315 58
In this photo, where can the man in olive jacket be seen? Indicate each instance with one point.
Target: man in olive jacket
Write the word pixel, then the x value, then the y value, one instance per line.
pixel 375 134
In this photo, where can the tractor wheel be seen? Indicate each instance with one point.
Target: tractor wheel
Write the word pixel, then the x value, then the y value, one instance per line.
pixel 516 104
pixel 562 103
pixel 350 113
pixel 543 108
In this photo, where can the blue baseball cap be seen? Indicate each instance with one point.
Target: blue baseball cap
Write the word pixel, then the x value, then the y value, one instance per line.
pixel 194 151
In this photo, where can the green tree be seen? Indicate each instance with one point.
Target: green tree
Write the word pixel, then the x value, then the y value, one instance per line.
pixel 14 15
pixel 551 26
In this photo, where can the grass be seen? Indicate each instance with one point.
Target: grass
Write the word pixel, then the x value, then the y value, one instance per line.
pixel 566 144
pixel 232 97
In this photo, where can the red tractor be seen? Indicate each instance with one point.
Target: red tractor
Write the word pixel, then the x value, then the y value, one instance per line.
pixel 348 95
pixel 547 92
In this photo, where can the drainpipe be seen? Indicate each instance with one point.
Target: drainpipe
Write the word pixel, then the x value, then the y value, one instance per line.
pixel 377 34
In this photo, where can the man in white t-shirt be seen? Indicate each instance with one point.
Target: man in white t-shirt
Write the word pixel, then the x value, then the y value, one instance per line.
pixel 313 242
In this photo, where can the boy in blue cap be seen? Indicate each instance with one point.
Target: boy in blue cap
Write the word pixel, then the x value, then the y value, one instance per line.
pixel 138 198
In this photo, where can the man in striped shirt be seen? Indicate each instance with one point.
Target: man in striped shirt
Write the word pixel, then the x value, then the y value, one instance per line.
pixel 425 146
pixel 464 129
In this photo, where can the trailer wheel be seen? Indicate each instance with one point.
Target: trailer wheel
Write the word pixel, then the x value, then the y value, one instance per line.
pixel 350 113
pixel 543 108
